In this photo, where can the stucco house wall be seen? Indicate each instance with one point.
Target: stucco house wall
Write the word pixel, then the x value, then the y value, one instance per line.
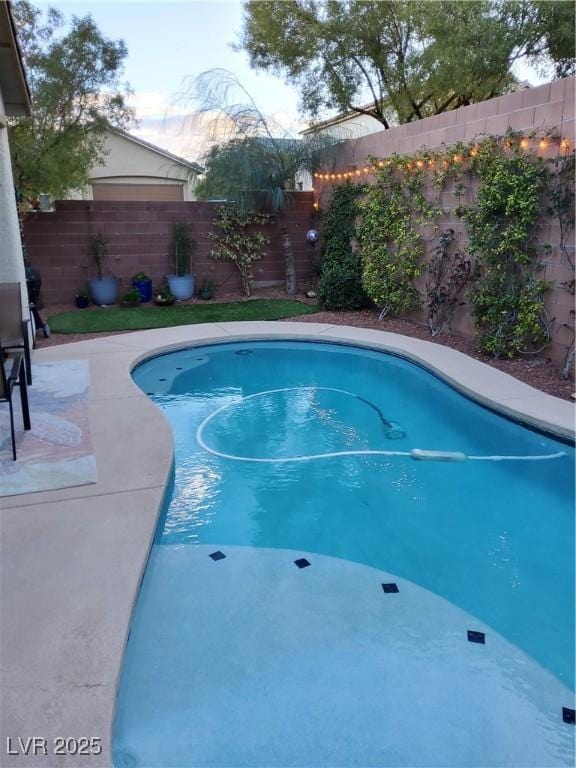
pixel 347 127
pixel 133 163
pixel 14 100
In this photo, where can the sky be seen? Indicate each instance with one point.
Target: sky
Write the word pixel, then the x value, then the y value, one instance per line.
pixel 170 41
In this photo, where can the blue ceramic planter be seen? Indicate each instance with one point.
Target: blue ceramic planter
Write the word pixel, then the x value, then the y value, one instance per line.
pixel 144 288
pixel 103 290
pixel 181 287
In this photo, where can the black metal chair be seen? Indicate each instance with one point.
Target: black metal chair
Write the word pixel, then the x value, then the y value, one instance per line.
pixel 7 383
pixel 13 327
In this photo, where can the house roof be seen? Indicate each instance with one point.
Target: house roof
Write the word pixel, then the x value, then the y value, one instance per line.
pixel 159 151
pixel 342 117
pixel 13 84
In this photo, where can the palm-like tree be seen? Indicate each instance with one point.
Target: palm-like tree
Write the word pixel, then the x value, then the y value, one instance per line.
pixel 252 161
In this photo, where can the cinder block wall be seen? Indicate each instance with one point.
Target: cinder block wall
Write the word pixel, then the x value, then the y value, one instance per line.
pixel 546 107
pixel 138 236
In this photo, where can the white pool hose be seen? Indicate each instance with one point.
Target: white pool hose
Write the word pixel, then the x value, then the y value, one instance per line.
pixel 418 454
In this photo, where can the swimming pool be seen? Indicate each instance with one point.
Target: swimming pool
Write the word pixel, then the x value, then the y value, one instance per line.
pixel 317 595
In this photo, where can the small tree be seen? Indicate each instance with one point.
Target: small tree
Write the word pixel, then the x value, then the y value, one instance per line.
pixel 236 243
pixel 181 249
pixel 98 249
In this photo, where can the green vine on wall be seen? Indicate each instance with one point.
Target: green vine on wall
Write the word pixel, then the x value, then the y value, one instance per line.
pixel 508 296
pixel 392 248
pixel 561 200
pixel 447 275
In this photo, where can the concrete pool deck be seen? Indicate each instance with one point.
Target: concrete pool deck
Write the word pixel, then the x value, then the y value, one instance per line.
pixel 72 559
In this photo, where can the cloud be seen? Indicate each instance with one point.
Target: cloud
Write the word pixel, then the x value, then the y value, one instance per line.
pixel 155 104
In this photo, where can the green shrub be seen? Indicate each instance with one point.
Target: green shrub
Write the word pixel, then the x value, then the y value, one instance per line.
pixel 340 285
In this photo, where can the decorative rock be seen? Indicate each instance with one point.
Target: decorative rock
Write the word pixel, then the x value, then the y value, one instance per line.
pixel 310 294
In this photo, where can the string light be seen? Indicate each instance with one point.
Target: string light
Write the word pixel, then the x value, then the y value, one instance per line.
pixel 445 161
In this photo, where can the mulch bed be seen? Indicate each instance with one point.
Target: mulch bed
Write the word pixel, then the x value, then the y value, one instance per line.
pixel 537 372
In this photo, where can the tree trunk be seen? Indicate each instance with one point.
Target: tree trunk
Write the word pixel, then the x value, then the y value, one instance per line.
pixel 246 278
pixel 290 264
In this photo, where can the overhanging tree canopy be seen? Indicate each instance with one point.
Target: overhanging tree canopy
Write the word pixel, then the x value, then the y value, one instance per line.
pixel 76 91
pixel 401 60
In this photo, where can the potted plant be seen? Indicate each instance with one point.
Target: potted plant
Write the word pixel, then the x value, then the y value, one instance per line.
pixel 163 297
pixel 103 289
pixel 207 291
pixel 82 298
pixel 131 298
pixel 181 281
pixel 143 284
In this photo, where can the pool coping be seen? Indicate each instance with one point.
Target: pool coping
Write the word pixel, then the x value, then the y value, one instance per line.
pixel 68 607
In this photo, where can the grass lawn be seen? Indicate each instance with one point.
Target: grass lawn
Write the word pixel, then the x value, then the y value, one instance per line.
pixel 104 319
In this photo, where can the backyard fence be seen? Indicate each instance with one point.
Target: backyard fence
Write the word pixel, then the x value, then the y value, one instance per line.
pixel 540 111
pixel 138 235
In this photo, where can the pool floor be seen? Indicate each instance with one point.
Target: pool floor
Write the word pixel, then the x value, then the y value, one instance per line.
pixel 273 657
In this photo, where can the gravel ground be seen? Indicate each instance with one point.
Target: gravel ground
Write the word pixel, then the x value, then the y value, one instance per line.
pixel 537 372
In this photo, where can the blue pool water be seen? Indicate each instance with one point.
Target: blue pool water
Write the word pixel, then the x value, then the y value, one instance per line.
pixel 489 542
